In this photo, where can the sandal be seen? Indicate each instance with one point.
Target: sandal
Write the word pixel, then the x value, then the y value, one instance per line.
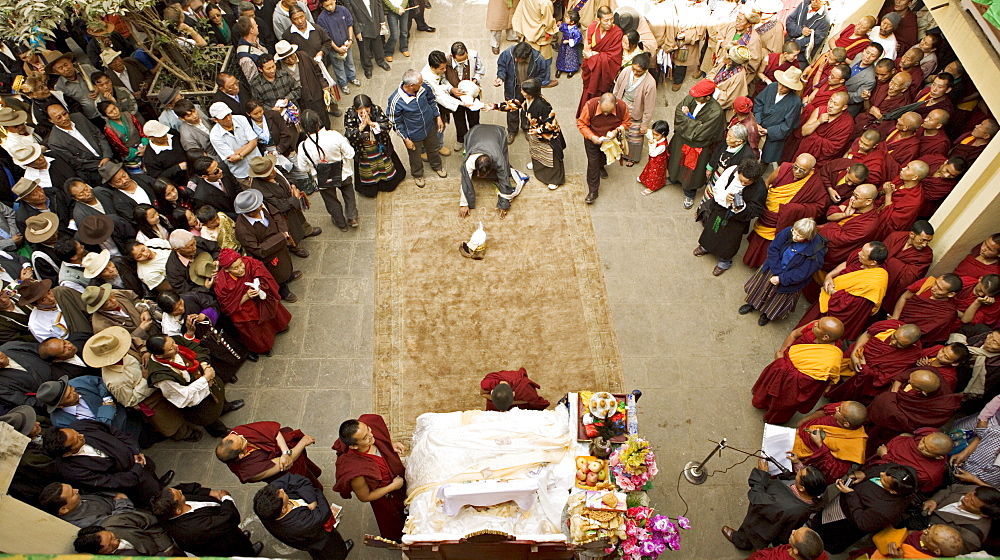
pixel 646 192
pixel 629 163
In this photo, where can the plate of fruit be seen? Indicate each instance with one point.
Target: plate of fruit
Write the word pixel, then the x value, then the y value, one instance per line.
pixel 590 471
pixel 602 414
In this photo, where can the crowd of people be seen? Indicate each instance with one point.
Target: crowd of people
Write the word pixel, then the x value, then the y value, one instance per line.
pixel 148 245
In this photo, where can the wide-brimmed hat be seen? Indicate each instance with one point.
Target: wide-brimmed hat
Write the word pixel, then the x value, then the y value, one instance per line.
pixel 33 290
pixel 94 264
pixel 739 54
pixel 107 347
pixel 26 153
pixel 41 227
pixel 155 129
pixel 791 78
pixel 95 229
pixel 95 296
pixel 10 116
pixel 22 418
pixel 109 170
pixel 248 201
pixel 24 186
pixel 167 94
pixel 202 268
pixel 261 166
pixel 107 55
pixel 284 49
pixel 100 29
pixel 58 56
pixel 51 393
pixel 219 110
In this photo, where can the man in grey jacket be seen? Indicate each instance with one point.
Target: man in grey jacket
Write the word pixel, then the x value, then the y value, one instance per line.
pixel 862 77
pixel 486 158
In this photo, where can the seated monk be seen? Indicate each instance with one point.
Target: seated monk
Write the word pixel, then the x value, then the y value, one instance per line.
pixel 903 198
pixel 945 173
pixel 910 256
pixel 807 362
pixel 970 145
pixel 875 359
pixel 840 177
pixel 803 544
pixel 265 451
pixel 982 260
pixel 827 132
pixel 930 304
pixel 506 389
pixel 945 359
pixel 853 291
pixel 915 400
pixel 849 226
pixel 977 302
pixel 926 450
pixel 933 139
pixel 820 96
pixel 902 144
pixel 794 191
pixel 910 62
pixel 936 95
pixel 869 150
pixel 890 93
pixel 936 541
pixel 832 439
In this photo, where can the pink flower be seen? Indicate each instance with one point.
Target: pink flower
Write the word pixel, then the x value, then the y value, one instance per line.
pixel 648 548
pixel 684 522
pixel 660 548
pixel 661 523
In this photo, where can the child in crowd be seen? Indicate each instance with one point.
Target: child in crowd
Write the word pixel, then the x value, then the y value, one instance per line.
pixel 568 59
pixel 654 176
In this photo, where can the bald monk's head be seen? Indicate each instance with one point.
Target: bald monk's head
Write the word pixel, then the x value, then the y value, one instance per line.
pixel 909 122
pixel 869 139
pixel 851 415
pixel 944 541
pixel 905 336
pixel 916 170
pixel 837 103
pixel 864 196
pixel 936 119
pixel 899 83
pixel 935 446
pixel 806 543
pixel 607 103
pixel 925 381
pixel 828 330
pixel 803 165
pixel 911 58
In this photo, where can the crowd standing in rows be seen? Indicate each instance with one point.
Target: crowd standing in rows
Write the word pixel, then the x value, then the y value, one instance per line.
pixel 149 245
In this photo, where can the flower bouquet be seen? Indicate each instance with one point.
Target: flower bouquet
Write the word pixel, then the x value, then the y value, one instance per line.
pixel 649 535
pixel 633 464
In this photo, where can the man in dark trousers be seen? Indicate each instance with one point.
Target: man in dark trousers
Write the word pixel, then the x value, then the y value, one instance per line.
pixel 369 15
pixel 510 76
pixel 486 158
pixel 202 521
pixel 600 120
pixel 299 515
pixel 698 124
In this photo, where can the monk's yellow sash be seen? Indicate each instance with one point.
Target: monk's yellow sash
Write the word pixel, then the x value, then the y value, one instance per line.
pixel 776 196
pixel 868 283
pixel 928 282
pixel 819 361
pixel 846 445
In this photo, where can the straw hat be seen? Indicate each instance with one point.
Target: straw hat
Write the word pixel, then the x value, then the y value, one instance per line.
pixel 791 78
pixel 107 347
pixel 24 186
pixel 94 263
pixel 284 49
pixel 108 55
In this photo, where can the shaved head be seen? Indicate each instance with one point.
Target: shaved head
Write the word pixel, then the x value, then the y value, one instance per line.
pixel 842 97
pixel 937 444
pixel 806 160
pixel 925 380
pixel 872 136
pixel 944 540
pixel 909 121
pixel 854 412
pixel 920 169
pixel 607 102
pixel 831 328
pixel 907 335
pixel 866 190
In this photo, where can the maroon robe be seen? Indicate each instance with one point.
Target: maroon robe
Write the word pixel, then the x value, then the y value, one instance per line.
pixel 903 212
pixel 971 266
pixel 873 160
pixel 880 98
pixel 905 265
pixel 948 374
pixel 986 314
pixel 833 174
pixel 774 63
pixel 600 70
pixel 377 472
pixel 823 94
pixel 943 103
pixel 262 436
pixel 939 144
pixel 968 152
pixel 906 32
pixel 829 140
pixel 846 237
pixel 524 389
pixel 782 390
pixel 916 79
pixel 853 311
pixel 936 189
pixel 257 320
pixel 899 151
pixel 782 552
pixel 935 317
pixel 808 202
pixel 882 363
pixel 853 46
pixel 891 414
pixel 902 450
pixel 822 458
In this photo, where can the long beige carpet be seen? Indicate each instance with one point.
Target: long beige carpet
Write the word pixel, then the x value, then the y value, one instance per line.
pixel 442 322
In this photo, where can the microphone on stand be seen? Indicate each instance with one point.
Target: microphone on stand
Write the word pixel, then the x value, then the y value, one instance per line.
pixel 696 472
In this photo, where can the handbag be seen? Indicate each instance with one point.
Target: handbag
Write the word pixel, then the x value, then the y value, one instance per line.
pixel 383 29
pixel 680 55
pixel 329 175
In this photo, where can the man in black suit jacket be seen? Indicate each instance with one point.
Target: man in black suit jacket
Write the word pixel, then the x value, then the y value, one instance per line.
pixel 86 158
pixel 229 93
pixel 22 371
pixel 121 183
pixel 34 200
pixel 94 456
pixel 137 528
pixel 202 521
pixel 209 176
pixel 301 523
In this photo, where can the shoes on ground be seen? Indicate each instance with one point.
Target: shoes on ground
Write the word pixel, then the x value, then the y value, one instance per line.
pixel 258 547
pixel 459 147
pixel 194 436
pixel 530 166
pixel 299 252
pixel 604 173
pixel 553 187
pixel 419 181
pixel 388 59
pixel 441 172
pixel 552 83
pixel 368 74
pixel 344 228
pixel 511 136
pixel 295 275
pixel 232 406
pixel 314 232
pixel 744 309
pixel 445 151
pixel 423 156
pixel 353 222
pixel 345 89
pixel 675 87
pixel 252 356
pixel 718 271
pixel 700 251
pixel 290 298
pixel 496 50
pixel 385 66
pixel 167 477
pixel 356 82
pixel 688 202
pixel 406 54
pixel 728 533
pixel 590 198
pixel 763 320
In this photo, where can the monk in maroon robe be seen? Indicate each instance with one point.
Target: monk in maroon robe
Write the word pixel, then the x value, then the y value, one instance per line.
pixel 944 175
pixel 525 391
pixel 903 197
pixel 823 94
pixel 602 56
pixel 832 439
pixel 887 96
pixel 930 304
pixel 849 226
pixel 870 150
pixel 909 61
pixel 784 60
pixel 926 450
pixel 978 301
pixel 915 400
pixel 970 145
pixel 945 359
pixel 853 291
pixel 982 260
pixel 257 313
pixel 906 31
pixel 794 191
pixel 936 96
pixel 902 145
pixel 368 464
pixel 840 177
pixel 255 453
pixel 933 139
pixel 828 131
pixel 797 551
pixel 910 256
pixel 875 359
pixel 853 39
pixel 803 368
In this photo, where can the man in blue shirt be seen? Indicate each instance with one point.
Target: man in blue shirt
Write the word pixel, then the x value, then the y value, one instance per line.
pixel 414 113
pixel 338 23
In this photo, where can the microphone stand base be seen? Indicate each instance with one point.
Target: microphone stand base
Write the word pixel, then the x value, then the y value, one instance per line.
pixel 694 473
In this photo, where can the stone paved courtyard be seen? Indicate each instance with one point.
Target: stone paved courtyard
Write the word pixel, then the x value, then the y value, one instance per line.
pixel 680 338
